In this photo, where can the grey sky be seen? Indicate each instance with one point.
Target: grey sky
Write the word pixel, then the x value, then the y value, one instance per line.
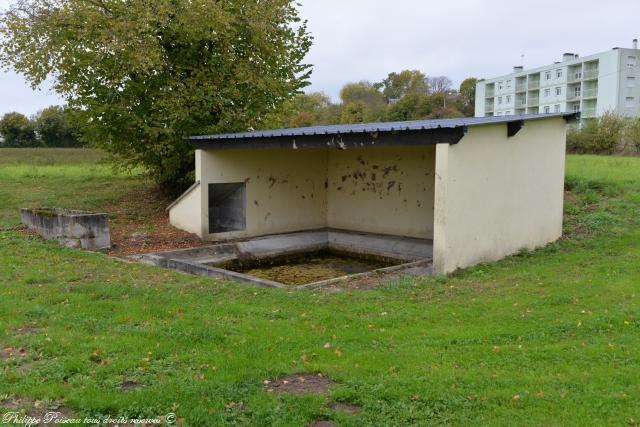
pixel 367 39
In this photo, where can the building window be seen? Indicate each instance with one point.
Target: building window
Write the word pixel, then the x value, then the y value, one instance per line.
pixel 499 100
pixel 507 113
pixel 227 207
pixel 508 84
pixel 556 108
pixel 631 61
pixel 547 92
pixel 499 85
pixel 559 74
pixel 630 102
pixel 547 75
pixel 576 108
pixel 577 90
pixel 547 109
pixel 558 91
pixel 631 82
pixel 508 99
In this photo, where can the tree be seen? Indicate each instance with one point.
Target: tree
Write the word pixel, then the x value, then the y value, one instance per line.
pixel 439 84
pixel 308 109
pixel 411 107
pixel 17 131
pixel 368 99
pixel 354 112
pixel 398 85
pixel 467 98
pixel 144 74
pixel 54 128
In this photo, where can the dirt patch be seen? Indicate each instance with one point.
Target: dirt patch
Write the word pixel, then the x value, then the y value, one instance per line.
pixel 41 413
pixel 303 383
pixel 27 330
pixel 130 385
pixel 13 353
pixel 139 224
pixel 322 423
pixel 347 408
pixel 23 368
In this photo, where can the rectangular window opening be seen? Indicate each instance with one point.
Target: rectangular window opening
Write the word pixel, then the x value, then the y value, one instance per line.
pixel 227 207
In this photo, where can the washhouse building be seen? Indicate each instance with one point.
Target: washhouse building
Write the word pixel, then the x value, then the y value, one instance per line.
pixel 470 189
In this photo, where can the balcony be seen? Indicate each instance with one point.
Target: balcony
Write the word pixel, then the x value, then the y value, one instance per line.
pixel 521 87
pixel 533 101
pixel 489 94
pixel 521 103
pixel 590 74
pixel 574 77
pixel 590 93
pixel 534 85
pixel 588 112
pixel 488 108
pixel 573 96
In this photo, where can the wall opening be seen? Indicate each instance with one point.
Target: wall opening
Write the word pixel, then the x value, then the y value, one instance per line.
pixel 227 207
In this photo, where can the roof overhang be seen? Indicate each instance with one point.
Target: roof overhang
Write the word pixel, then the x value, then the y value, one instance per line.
pixel 413 133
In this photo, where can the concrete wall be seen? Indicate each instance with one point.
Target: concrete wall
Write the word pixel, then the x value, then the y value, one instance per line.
pixel 185 214
pixel 384 190
pixel 496 195
pixel 285 189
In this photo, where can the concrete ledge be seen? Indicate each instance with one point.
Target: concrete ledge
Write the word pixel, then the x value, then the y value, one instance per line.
pixel 71 228
pixel 416 253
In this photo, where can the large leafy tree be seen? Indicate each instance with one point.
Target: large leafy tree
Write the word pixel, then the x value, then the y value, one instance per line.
pixel 406 82
pixel 144 74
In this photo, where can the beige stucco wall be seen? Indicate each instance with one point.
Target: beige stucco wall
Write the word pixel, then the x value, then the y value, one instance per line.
pixel 496 195
pixel 185 214
pixel 385 190
pixel 285 189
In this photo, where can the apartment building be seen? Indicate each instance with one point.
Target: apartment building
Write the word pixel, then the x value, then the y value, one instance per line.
pixel 591 85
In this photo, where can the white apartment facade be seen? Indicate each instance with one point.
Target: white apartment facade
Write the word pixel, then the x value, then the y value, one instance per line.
pixel 591 85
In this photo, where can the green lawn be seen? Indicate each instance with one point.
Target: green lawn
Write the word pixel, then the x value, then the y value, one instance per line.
pixel 549 337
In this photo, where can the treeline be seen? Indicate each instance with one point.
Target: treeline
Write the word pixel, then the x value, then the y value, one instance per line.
pixel 52 127
pixel 407 95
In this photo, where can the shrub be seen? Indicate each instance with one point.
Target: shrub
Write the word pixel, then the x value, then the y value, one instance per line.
pixel 603 135
pixel 632 134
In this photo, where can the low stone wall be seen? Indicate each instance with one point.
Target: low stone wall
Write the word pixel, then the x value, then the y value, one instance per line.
pixel 73 229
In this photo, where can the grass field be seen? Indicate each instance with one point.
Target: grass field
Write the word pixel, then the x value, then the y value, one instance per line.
pixel 549 337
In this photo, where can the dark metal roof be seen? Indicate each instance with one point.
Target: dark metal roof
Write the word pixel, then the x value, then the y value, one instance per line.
pixel 378 127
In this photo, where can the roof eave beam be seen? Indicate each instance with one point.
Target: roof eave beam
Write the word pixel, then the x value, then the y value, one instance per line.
pixel 339 141
pixel 514 127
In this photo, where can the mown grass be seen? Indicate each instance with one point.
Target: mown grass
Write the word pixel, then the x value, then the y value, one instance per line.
pixel 548 337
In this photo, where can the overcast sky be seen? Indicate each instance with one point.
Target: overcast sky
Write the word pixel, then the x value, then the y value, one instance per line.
pixel 367 39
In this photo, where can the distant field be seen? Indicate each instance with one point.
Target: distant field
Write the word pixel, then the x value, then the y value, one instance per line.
pixel 544 338
pixel 50 156
pixel 61 177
